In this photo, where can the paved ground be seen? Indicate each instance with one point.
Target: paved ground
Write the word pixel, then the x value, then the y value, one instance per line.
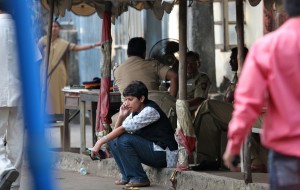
pixel 70 180
pixel 67 179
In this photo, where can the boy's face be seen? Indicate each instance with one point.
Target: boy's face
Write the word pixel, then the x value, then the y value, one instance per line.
pixel 134 104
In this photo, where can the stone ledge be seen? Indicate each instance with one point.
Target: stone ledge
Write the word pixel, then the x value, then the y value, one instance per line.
pixel 187 180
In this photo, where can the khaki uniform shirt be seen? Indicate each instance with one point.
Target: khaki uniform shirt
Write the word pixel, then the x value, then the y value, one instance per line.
pixel 198 85
pixel 150 72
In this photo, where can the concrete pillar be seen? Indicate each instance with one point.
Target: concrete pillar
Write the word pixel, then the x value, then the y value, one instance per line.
pixel 201 37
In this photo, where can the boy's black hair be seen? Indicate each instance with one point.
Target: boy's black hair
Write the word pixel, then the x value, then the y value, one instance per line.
pixel 136 89
pixel 292 7
pixel 136 47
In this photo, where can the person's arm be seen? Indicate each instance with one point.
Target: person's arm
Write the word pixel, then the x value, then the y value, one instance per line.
pixel 85 47
pixel 201 91
pixel 118 130
pixel 42 44
pixel 173 78
pixel 195 102
pixel 119 122
pixel 147 116
pixel 115 133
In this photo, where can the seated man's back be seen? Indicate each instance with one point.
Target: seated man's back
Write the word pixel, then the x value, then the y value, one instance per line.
pixel 136 68
pixel 150 72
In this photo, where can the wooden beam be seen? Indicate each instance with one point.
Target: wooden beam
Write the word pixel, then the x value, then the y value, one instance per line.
pixel 240 32
pixel 241 57
pixel 182 49
pixel 50 20
pixel 225 25
pixel 209 1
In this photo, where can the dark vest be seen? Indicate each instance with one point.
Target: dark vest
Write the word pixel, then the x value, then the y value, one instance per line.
pixel 159 132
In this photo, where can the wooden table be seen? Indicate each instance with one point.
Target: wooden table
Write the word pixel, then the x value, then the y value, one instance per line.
pixel 82 100
pixel 92 97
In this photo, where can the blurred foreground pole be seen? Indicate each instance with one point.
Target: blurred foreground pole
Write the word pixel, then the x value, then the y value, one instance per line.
pixel 37 148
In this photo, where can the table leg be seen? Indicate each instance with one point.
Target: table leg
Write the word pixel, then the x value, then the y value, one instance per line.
pixel 65 132
pixel 82 127
pixel 93 120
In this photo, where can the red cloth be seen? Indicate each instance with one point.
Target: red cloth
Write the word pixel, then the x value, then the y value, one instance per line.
pixel 106 27
pixel 103 100
pixel 189 142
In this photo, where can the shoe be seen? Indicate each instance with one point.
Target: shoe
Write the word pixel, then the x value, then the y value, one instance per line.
pixel 8 179
pixel 138 184
pixel 120 182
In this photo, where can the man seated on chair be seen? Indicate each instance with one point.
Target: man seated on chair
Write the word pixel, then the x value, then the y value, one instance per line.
pixel 198 83
pixel 211 124
pixel 150 72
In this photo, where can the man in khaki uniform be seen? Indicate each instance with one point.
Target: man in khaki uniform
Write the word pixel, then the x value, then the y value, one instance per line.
pixel 150 72
pixel 198 83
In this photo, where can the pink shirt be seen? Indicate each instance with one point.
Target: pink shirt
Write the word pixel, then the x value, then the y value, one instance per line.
pixel 270 76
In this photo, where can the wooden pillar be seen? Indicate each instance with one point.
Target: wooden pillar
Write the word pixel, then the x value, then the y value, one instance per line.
pixel 240 32
pixel 225 25
pixel 182 49
pixel 241 43
pixel 50 20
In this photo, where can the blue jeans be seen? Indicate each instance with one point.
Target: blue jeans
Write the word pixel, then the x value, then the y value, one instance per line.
pixel 130 151
pixel 284 171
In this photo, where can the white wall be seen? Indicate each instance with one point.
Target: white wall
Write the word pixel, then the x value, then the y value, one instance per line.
pixel 254 23
pixel 174 23
pixel 253 31
pixel 222 66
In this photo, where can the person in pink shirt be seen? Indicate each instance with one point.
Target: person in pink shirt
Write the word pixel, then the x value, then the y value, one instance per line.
pixel 270 76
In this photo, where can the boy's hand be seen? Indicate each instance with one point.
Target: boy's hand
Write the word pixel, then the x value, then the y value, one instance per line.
pixel 124 110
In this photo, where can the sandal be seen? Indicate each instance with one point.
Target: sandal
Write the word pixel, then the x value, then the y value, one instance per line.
pixel 130 188
pixel 138 184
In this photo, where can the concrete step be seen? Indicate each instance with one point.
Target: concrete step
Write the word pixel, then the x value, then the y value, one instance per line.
pixel 186 180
